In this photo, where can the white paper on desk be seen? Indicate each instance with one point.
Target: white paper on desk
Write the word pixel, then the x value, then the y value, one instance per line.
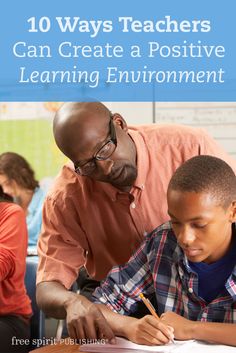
pixel 203 347
pixel 124 346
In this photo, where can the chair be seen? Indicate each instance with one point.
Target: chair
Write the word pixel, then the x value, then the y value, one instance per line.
pixel 37 325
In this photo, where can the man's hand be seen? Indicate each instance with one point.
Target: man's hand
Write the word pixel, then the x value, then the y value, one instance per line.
pixel 183 328
pixel 148 331
pixel 85 320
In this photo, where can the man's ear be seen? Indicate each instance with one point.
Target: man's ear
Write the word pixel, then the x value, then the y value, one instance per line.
pixel 232 214
pixel 120 121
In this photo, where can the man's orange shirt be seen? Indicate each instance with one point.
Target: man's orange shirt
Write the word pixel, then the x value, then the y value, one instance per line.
pixel 13 246
pixel 86 222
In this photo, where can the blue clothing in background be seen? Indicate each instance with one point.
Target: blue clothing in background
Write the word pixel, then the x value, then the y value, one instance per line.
pixel 34 216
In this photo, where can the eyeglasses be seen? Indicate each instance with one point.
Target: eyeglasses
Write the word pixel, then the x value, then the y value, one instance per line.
pixel 101 155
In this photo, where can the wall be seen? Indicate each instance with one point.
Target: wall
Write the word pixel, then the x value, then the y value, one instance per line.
pixel 26 128
pixel 219 119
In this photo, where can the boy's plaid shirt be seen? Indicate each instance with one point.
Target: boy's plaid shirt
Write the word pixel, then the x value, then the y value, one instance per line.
pixel 160 267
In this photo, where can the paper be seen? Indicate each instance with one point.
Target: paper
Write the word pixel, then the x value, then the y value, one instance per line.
pixel 125 346
pixel 203 347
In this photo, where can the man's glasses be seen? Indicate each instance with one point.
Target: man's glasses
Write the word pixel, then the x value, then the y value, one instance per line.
pixel 102 154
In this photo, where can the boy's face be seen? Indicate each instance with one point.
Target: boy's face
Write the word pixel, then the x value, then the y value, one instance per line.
pixel 202 228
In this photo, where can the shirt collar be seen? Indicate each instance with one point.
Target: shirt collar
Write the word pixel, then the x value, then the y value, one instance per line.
pixel 180 258
pixel 142 158
pixel 231 282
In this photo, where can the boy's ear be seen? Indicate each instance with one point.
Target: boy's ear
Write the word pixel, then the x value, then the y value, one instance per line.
pixel 233 212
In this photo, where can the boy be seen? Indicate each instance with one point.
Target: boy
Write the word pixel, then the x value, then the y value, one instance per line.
pixel 188 263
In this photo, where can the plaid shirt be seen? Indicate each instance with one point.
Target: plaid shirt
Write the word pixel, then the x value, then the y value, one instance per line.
pixel 160 267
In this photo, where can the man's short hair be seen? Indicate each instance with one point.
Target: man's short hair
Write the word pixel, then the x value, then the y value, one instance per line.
pixel 206 174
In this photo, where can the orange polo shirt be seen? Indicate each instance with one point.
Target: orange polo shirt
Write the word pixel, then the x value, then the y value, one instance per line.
pixel 13 246
pixel 86 222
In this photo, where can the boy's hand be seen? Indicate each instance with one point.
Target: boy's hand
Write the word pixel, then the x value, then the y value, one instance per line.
pixel 148 331
pixel 183 328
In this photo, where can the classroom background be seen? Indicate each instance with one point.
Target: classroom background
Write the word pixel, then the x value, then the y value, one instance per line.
pixel 26 127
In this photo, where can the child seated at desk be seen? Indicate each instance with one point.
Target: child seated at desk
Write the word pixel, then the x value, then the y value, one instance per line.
pixel 15 308
pixel 189 264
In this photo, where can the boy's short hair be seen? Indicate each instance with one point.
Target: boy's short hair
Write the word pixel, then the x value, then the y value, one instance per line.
pixel 206 174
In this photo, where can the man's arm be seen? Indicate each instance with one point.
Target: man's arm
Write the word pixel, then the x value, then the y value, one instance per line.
pixel 94 321
pixel 184 329
pixel 58 269
pixel 84 319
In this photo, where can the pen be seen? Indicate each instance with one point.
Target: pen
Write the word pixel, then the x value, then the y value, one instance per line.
pixel 150 308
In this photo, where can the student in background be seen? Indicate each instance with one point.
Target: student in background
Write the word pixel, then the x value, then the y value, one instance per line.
pixel 15 308
pixel 188 263
pixel 17 180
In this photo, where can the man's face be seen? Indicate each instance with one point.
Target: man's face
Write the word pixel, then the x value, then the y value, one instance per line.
pixel 120 168
pixel 202 228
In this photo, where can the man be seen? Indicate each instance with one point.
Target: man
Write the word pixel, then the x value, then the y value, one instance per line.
pixel 188 263
pixel 101 208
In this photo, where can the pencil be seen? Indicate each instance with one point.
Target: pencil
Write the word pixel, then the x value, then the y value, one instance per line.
pixel 150 308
